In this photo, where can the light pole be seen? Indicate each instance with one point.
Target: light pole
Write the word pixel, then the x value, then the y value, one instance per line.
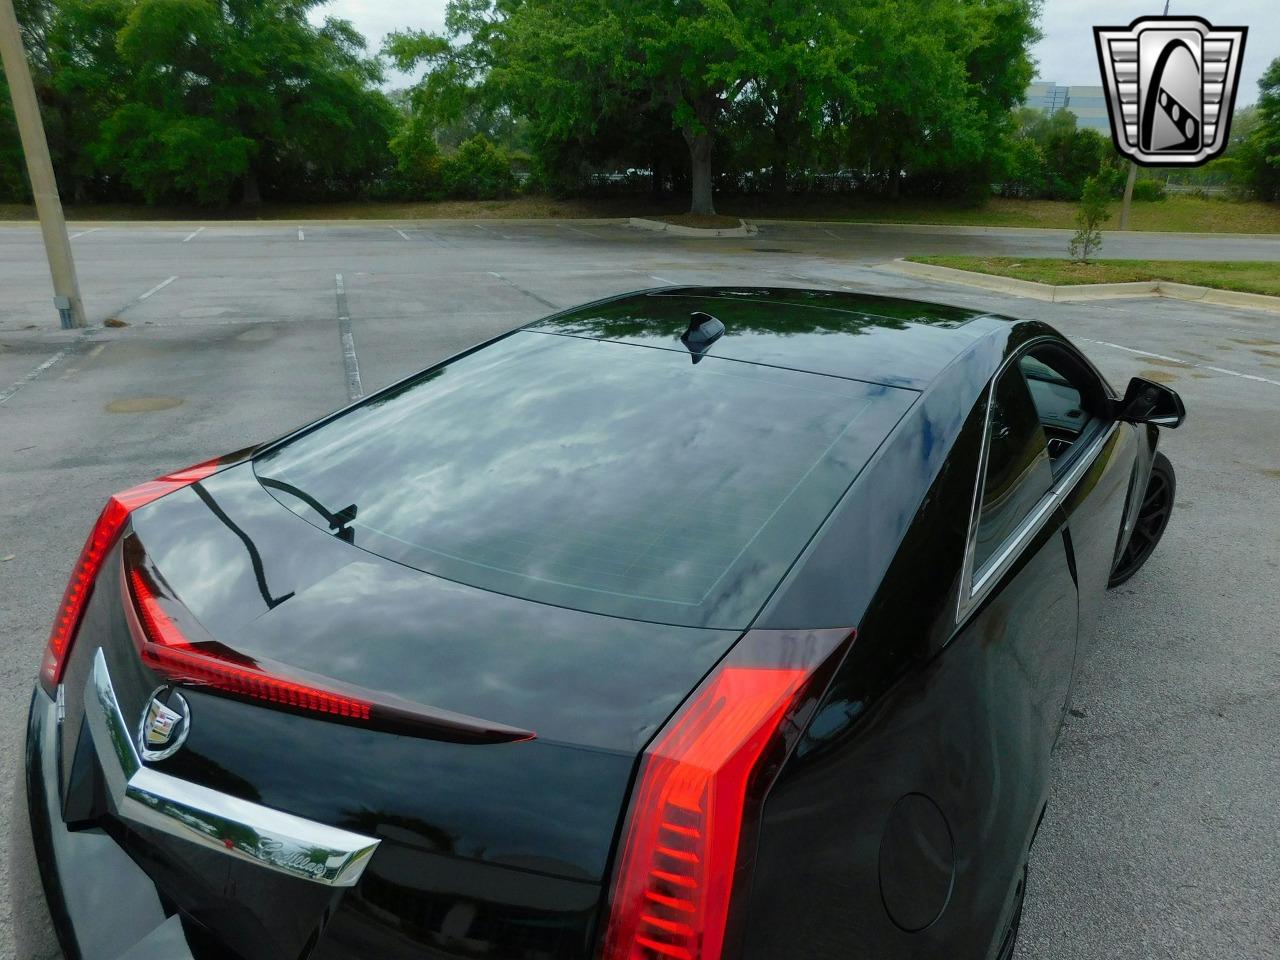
pixel 66 289
pixel 1133 173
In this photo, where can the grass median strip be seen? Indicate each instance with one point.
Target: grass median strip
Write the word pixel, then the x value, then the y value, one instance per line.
pixel 1247 276
pixel 1174 214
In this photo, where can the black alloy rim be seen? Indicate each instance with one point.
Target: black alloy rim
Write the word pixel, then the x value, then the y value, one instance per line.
pixel 1152 517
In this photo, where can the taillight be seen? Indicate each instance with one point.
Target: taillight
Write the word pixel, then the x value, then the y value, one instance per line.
pixel 690 826
pixel 103 536
pixel 171 642
pixel 167 650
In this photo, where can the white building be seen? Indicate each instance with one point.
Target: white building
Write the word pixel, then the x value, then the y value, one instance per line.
pixel 1089 104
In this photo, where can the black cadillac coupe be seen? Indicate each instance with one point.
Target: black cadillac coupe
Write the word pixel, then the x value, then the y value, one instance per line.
pixel 692 624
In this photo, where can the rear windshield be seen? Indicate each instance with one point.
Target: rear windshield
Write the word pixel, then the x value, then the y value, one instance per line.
pixel 616 479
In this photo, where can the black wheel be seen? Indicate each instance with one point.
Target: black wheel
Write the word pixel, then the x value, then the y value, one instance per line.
pixel 1010 942
pixel 1153 517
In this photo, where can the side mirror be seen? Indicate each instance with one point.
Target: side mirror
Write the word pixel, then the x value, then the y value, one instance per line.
pixel 1148 402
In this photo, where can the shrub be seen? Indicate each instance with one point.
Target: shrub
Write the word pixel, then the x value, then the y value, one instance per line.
pixel 478 171
pixel 1148 190
pixel 1091 214
pixel 419 166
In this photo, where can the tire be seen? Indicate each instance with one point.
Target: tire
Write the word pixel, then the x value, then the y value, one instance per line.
pixel 1148 526
pixel 1009 944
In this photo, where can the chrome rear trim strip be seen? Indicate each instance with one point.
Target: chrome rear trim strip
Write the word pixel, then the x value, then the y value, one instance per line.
pixel 238 828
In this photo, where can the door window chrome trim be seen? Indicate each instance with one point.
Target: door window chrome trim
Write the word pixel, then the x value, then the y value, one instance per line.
pixel 217 821
pixel 975 585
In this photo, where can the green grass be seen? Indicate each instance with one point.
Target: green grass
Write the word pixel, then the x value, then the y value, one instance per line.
pixel 1176 214
pixel 1247 276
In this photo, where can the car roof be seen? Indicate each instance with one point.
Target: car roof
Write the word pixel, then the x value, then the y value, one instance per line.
pixel 876 339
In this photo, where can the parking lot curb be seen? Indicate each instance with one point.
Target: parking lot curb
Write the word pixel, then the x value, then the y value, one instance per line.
pixel 1085 291
pixel 743 229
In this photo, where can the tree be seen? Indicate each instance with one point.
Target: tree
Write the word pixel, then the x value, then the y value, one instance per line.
pixel 418 160
pixel 591 71
pixel 1090 216
pixel 478 171
pixel 64 41
pixel 242 92
pixel 1068 155
pixel 900 85
pixel 801 57
pixel 1259 154
pixel 13 182
pixel 944 77
pixel 572 65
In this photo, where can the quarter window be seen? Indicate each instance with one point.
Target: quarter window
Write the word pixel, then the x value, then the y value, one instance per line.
pixel 1017 474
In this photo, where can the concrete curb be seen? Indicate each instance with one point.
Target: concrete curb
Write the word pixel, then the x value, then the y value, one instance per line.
pixel 1075 293
pixel 981 229
pixel 743 229
pixel 907 228
pixel 338 222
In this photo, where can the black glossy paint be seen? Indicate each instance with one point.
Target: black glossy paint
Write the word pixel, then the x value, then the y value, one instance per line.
pixel 924 768
pixel 962 713
pixel 864 337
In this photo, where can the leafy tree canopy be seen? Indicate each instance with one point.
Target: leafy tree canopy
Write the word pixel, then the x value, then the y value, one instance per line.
pixel 898 86
pixel 179 100
pixel 1259 153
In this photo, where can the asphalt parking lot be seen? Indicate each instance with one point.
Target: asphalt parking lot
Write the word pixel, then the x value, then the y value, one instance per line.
pixel 1161 836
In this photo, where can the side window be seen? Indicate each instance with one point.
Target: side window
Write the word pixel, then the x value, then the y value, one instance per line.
pixel 1060 403
pixel 1017 472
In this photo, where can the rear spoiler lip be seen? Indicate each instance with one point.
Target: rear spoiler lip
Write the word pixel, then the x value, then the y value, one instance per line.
pixel 392 713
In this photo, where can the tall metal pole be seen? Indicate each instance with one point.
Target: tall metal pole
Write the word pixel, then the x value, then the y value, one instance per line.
pixel 1128 194
pixel 66 288
pixel 1133 174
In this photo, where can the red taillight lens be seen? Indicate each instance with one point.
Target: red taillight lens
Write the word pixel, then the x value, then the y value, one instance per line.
pixel 172 642
pixel 166 650
pixel 103 536
pixel 701 783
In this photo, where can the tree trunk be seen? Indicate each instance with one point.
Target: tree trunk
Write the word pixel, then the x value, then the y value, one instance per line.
pixel 778 172
pixel 658 175
pixel 783 122
pixel 251 193
pixel 700 169
pixel 778 176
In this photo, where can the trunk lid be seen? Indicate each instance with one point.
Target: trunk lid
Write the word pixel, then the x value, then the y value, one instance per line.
pixel 493 849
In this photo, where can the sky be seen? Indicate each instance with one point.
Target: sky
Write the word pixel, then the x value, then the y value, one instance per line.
pixel 1065 55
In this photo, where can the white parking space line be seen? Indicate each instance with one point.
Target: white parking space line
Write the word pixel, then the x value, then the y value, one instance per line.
pixel 663 280
pixel 82 233
pixel 193 234
pixel 350 363
pixel 51 362
pixel 493 233
pixel 35 373
pixel 1185 363
pixel 71 371
pixel 528 293
pixel 156 289
pixel 301 235
pixel 585 233
pixel 403 235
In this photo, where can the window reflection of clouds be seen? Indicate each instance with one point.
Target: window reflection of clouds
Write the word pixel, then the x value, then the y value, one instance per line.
pixel 583 465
